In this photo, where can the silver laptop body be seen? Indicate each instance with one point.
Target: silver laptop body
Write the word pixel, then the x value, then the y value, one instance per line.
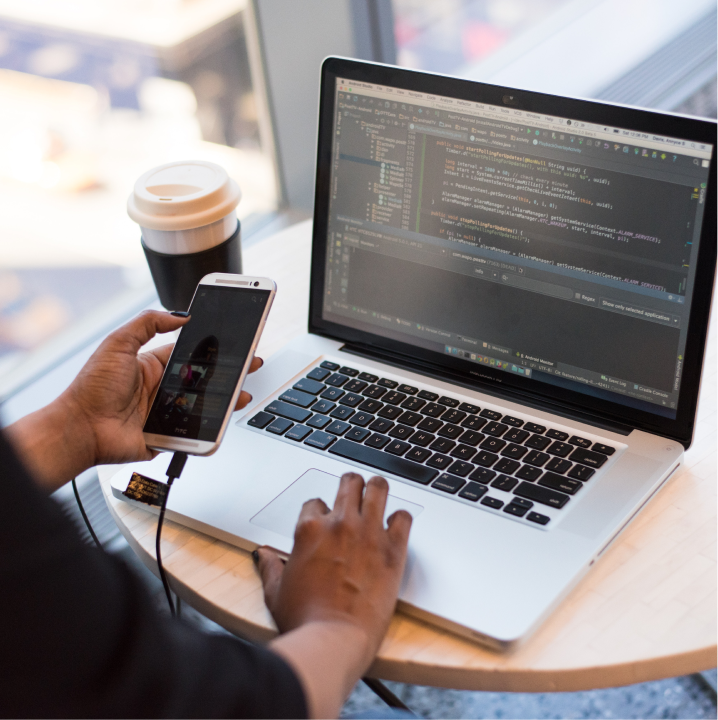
pixel 519 467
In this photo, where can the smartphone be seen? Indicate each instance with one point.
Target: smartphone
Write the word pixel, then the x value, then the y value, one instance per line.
pixel 210 360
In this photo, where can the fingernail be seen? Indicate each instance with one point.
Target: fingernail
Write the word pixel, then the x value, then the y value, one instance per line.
pixel 255 556
pixel 179 313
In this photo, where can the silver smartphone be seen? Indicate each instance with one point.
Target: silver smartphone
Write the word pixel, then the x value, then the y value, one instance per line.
pixel 210 360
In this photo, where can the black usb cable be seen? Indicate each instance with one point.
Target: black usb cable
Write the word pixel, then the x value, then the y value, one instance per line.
pixel 84 514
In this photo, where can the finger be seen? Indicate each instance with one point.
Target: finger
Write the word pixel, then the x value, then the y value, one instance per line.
pixel 348 500
pixel 144 327
pixel 163 353
pixel 257 363
pixel 271 569
pixel 374 501
pixel 398 527
pixel 312 509
pixel 244 399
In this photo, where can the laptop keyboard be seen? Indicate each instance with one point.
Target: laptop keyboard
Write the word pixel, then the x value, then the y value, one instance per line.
pixel 455 447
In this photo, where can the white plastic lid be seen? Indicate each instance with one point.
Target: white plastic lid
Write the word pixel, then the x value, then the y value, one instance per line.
pixel 183 195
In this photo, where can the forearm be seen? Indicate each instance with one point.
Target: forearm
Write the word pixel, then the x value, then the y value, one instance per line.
pixel 329 658
pixel 55 443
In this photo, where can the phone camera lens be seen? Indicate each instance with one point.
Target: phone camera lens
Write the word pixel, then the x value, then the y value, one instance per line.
pixel 256 283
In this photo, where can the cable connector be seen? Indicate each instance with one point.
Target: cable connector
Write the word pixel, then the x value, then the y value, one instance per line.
pixel 176 466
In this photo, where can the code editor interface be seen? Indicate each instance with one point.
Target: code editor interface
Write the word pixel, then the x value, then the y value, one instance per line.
pixel 536 245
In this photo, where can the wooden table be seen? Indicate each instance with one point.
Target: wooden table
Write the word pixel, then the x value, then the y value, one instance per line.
pixel 647 609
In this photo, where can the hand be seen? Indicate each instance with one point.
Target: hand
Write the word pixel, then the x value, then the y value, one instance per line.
pixel 344 571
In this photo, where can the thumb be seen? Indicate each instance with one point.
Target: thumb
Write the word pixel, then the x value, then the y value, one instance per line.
pixel 271 569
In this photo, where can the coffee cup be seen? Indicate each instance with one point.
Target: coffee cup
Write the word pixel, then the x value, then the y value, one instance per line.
pixel 187 214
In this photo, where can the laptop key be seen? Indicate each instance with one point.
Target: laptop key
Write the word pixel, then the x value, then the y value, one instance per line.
pixel 449 402
pixel 491 414
pixel 463 452
pixel 355 386
pixel 368 377
pixel 397 447
pixel 586 457
pixel 318 374
pixel 285 410
pixel 450 431
pixel 537 442
pixel 496 429
pixel 426 395
pixel 357 434
pixel 504 482
pixel 492 502
pixel 377 441
pixel 473 491
pixel 541 495
pixel 384 461
pixel 482 475
pixel 336 380
pixel 528 472
pixel 260 420
pixel 408 389
pixel 351 400
pixel 518 508
pixel 493 444
pixel 538 518
pixel 438 461
pixel 471 437
pixel 605 449
pixel 390 411
pixel 558 465
pixel 297 397
pixel 337 427
pixel 329 365
pixel 430 424
pixel 558 482
pixel 418 454
pixel 581 472
pixel 332 393
pixel 341 413
pixel 536 458
pixel 461 468
pixel 453 416
pixel 515 435
pixel 534 428
pixel 385 382
pixel 515 452
pixel 318 421
pixel 409 418
pixel 371 406
pixel 557 435
pixel 374 392
pixel 485 459
pixel 422 438
pixel 351 372
pixel 401 432
pixel 506 465
pixel 310 386
pixel 448 484
pixel 320 439
pixel 513 421
pixel 469 409
pixel 581 442
pixel 433 410
pixel 413 403
pixel 381 425
pixel 474 423
pixel 559 448
pixel 323 406
pixel 362 419
pixel 298 432
pixel 443 445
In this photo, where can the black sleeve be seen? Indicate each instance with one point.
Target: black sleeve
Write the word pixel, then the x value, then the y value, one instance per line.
pixel 79 636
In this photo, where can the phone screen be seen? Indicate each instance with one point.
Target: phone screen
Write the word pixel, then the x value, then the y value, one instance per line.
pixel 206 363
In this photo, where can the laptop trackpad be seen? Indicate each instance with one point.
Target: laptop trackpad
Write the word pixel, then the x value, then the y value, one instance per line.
pixel 281 515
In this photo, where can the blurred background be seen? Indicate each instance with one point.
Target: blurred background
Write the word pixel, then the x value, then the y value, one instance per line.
pixel 94 92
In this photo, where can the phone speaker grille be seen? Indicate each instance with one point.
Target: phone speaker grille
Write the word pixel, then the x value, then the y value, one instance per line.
pixel 231 282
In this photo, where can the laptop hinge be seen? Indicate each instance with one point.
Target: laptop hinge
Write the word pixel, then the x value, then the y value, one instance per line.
pixel 406 362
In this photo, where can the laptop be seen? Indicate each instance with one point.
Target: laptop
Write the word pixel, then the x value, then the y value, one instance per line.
pixel 510 296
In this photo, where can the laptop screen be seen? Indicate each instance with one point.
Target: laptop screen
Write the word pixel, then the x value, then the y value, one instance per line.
pixel 536 245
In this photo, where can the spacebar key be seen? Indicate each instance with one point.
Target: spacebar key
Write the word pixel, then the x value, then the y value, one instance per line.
pixel 383 461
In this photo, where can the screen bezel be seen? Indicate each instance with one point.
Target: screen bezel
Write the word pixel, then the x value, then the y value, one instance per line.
pixel 439 364
pixel 238 283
